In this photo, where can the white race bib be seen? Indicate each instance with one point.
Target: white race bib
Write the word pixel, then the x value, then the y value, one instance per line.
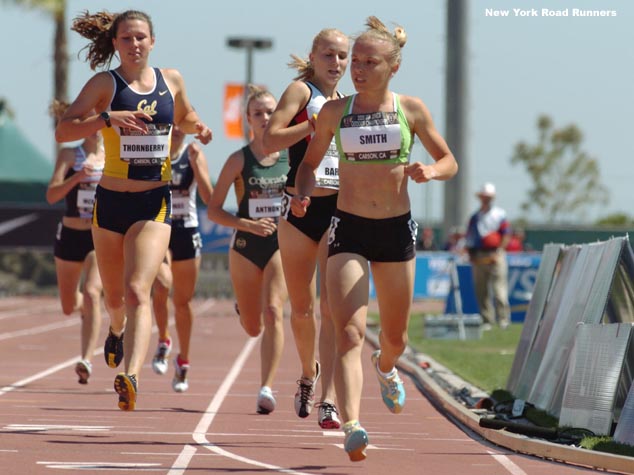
pixel 145 149
pixel 327 173
pixel 265 207
pixel 180 206
pixel 371 136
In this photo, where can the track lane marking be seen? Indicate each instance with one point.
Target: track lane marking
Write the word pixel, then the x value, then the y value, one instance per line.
pixel 40 329
pixel 507 463
pixel 200 432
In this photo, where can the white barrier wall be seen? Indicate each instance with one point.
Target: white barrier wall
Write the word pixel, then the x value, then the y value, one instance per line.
pixel 590 284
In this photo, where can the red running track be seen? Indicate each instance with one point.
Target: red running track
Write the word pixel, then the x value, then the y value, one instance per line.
pixel 50 424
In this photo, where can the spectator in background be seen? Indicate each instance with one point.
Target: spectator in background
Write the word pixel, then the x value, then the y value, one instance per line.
pixel 455 240
pixel 516 241
pixel 426 242
pixel 488 234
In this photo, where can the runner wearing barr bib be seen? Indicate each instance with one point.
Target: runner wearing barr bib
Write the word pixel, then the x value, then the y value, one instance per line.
pixel 303 241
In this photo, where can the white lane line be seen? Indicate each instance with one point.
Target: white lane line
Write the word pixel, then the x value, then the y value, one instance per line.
pixel 182 461
pixel 41 329
pixel 30 310
pixel 33 331
pixel 507 463
pixel 375 447
pixel 205 305
pixel 53 427
pixel 109 466
pixel 41 374
pixel 164 454
pixel 200 432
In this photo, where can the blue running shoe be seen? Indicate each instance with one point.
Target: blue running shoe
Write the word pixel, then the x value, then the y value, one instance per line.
pixel 355 441
pixel 392 389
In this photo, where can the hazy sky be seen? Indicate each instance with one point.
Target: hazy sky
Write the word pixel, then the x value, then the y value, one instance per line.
pixel 576 69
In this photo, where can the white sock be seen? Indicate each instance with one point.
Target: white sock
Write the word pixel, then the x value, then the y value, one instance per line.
pixel 389 374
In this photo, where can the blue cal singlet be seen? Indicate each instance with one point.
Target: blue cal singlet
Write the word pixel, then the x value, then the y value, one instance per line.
pixel 133 154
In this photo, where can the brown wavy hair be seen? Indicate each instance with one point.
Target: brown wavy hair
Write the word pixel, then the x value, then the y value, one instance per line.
pixel 101 28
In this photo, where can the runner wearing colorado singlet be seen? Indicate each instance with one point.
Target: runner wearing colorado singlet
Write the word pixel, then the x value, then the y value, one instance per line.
pixel 255 264
pixel 259 195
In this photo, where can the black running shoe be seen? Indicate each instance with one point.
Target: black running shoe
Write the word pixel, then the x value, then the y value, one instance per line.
pixel 126 387
pixel 113 349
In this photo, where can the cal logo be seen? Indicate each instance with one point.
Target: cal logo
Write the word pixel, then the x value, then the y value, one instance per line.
pixel 149 109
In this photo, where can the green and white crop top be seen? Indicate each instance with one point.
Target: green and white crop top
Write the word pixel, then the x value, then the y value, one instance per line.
pixel 377 137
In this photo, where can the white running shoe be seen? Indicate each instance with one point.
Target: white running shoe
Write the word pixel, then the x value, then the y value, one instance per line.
pixel 159 362
pixel 83 369
pixel 179 382
pixel 266 401
pixel 328 417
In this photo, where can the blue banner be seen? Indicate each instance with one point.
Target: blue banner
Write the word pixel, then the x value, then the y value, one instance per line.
pixel 433 281
pixel 522 274
pixel 216 238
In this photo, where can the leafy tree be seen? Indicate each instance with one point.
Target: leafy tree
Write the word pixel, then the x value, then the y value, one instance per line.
pixel 56 9
pixel 5 108
pixel 566 180
pixel 616 220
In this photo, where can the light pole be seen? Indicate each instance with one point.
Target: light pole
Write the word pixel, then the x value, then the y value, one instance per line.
pixel 249 44
pixel 457 113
